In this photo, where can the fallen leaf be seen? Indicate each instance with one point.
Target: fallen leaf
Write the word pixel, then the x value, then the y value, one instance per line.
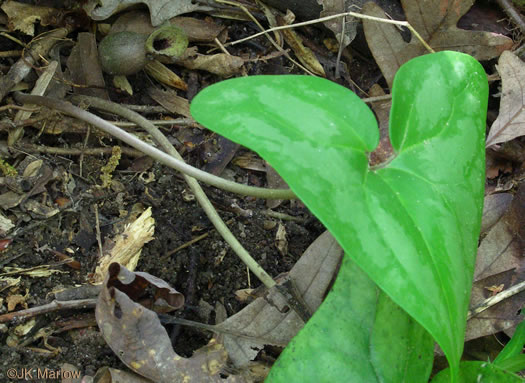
pixel 500 317
pixel 267 317
pixel 84 67
pixel 511 119
pixel 494 206
pixel 502 248
pixel 160 10
pixel 333 7
pixel 220 64
pixel 22 17
pixel 136 335
pixel 304 54
pixel 165 75
pixel 274 181
pixel 112 375
pixel 435 21
pixel 171 101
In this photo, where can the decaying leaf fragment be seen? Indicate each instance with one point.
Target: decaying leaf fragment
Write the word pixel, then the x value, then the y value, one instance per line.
pixel 136 335
pixel 22 17
pixel 435 21
pixel 511 119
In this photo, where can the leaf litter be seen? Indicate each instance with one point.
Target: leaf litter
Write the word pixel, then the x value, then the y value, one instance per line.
pixel 500 257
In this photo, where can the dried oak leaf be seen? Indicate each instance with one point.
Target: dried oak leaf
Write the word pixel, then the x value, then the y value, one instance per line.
pixel 435 21
pixel 160 10
pixel 511 119
pixel 136 335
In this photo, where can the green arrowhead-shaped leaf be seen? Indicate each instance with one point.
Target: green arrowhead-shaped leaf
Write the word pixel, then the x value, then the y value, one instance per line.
pixel 357 335
pixel 412 225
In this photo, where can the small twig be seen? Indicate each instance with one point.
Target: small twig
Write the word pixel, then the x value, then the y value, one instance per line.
pixel 168 319
pixel 76 151
pixel 47 308
pixel 176 121
pixel 282 216
pixel 323 19
pixel 340 51
pixel 489 302
pixel 97 228
pixel 221 47
pixel 187 244
pixel 377 98
pixel 18 107
pixel 147 109
pixel 84 145
pixel 513 14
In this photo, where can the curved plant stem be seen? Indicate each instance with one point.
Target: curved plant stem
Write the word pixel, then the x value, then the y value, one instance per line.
pixel 205 203
pixel 151 151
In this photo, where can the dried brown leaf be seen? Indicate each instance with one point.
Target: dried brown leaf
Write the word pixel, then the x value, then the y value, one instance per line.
pixel 501 316
pixel 502 248
pixel 220 64
pixel 333 7
pixel 494 206
pixel 511 119
pixel 84 67
pixel 435 21
pixel 136 335
pixel 269 317
pixel 160 10
pixel 304 54
pixel 171 101
pixel 22 17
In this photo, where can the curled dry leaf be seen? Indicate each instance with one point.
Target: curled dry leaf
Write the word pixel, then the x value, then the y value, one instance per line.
pixel 304 54
pixel 435 21
pixel 136 335
pixel 511 119
pixel 220 64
